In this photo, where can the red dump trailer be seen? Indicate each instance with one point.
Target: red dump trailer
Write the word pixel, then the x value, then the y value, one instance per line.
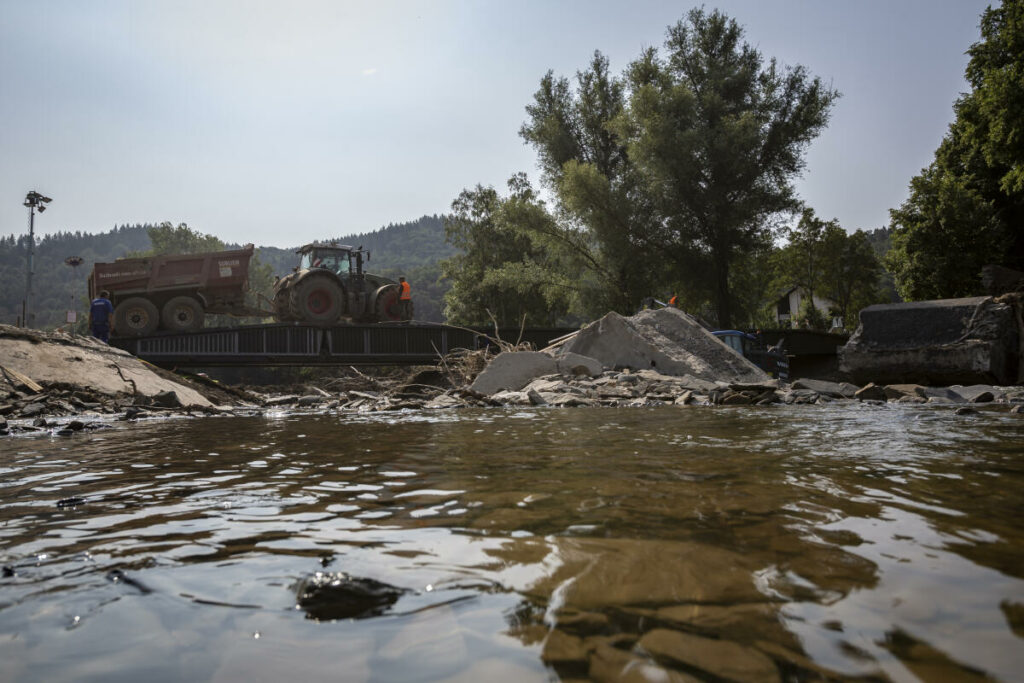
pixel 173 291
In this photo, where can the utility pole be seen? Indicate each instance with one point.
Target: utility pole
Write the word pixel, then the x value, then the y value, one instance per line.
pixel 33 200
pixel 72 317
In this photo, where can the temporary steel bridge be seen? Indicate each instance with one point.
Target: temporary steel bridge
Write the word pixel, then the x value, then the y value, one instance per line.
pixel 300 344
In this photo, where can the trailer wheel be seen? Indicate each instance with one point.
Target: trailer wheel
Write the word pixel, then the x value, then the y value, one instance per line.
pixel 183 314
pixel 317 299
pixel 388 307
pixel 135 317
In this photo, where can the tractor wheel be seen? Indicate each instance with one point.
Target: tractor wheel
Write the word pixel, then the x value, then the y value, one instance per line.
pixel 388 308
pixel 183 314
pixel 135 317
pixel 317 299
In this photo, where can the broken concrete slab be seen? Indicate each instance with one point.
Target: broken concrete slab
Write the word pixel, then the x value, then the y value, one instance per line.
pixel 942 342
pixel 84 362
pixel 666 340
pixel 513 370
pixel 833 389
pixel 578 365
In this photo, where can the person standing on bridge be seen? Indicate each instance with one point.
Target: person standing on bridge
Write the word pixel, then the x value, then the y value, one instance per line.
pixel 404 299
pixel 100 317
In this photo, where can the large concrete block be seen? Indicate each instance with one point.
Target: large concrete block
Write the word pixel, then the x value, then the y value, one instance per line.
pixel 511 371
pixel 948 341
pixel 666 340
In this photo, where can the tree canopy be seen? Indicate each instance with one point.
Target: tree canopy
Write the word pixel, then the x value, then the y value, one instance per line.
pixel 661 179
pixel 966 209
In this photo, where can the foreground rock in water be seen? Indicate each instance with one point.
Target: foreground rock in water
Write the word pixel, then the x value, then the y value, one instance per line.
pixel 968 341
pixel 86 365
pixel 667 340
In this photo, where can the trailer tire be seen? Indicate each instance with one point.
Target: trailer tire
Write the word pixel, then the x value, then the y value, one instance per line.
pixel 317 298
pixel 135 317
pixel 182 314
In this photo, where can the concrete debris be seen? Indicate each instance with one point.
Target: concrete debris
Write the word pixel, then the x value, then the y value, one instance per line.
pixel 970 340
pixel 513 371
pixel 84 363
pixel 667 340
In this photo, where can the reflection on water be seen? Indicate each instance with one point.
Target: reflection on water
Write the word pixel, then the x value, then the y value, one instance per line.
pixel 785 543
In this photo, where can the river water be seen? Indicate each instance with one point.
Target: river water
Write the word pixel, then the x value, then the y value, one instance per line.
pixel 792 542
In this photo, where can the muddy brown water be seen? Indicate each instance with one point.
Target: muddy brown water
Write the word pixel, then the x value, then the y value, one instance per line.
pixel 842 541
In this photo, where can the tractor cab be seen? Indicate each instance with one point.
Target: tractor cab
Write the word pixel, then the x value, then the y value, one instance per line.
pixel 342 260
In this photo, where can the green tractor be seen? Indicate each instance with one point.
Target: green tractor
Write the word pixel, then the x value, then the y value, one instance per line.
pixel 329 285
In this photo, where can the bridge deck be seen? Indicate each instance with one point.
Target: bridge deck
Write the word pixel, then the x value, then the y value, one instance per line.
pixel 298 344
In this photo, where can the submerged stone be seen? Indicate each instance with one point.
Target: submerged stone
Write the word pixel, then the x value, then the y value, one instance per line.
pixel 721 658
pixel 327 596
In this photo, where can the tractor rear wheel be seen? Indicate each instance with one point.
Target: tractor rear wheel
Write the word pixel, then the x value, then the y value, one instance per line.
pixel 182 314
pixel 388 308
pixel 135 317
pixel 317 299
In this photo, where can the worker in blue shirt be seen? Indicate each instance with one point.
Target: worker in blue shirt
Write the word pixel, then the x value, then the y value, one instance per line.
pixel 101 313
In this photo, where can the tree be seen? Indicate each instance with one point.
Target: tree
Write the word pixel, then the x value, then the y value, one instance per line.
pixel 966 209
pixel 603 218
pixel 168 239
pixel 719 136
pixel 808 254
pixel 499 271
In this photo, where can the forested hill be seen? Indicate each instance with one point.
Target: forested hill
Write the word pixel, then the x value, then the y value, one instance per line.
pixel 412 249
pixel 395 247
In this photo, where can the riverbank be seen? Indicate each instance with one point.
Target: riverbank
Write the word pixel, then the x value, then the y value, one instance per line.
pixel 58 384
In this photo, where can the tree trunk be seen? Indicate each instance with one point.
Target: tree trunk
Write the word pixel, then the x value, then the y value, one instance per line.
pixel 722 303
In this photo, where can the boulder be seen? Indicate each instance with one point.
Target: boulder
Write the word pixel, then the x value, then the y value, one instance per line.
pixel 666 340
pixel 977 393
pixel 942 394
pixel 943 342
pixel 871 392
pixel 895 392
pixel 511 371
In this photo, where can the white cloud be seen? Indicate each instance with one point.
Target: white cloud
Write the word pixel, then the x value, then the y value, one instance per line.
pixel 369 72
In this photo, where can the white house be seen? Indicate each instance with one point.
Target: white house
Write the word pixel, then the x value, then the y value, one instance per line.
pixel 787 307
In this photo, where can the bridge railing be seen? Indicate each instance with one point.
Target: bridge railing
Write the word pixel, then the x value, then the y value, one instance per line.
pixel 297 344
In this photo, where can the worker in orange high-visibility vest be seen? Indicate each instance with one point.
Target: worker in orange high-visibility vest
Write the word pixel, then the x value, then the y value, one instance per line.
pixel 674 301
pixel 404 299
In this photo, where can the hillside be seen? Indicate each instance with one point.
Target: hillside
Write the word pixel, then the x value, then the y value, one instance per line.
pixel 412 249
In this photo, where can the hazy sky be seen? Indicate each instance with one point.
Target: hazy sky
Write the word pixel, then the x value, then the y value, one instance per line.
pixel 283 122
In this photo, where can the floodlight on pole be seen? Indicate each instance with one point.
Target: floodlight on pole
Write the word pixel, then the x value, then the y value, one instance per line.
pixel 33 200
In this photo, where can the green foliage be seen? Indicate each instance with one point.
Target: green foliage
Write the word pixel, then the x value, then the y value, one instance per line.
pixel 56 286
pixel 811 317
pixel 499 271
pixel 663 179
pixel 168 239
pixel 827 262
pixel 966 209
pixel 719 135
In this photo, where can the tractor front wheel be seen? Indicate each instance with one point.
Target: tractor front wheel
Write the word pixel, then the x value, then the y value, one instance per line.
pixel 388 307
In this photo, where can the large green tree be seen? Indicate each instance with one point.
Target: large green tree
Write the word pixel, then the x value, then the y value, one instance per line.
pixel 966 209
pixel 720 136
pixel 500 273
pixel 602 218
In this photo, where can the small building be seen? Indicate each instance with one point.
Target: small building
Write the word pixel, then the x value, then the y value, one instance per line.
pixel 787 308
